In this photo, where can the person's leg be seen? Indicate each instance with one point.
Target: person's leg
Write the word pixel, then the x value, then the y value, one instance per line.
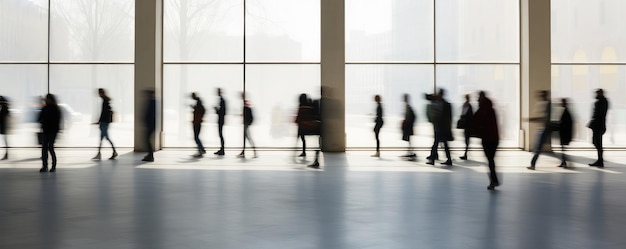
pixel 447 150
pixel 6 143
pixel 245 137
pixel 542 136
pixel 196 137
pixel 53 154
pixel 249 137
pixel 376 134
pixel 490 152
pixel 44 153
pixel 467 140
pixel 316 163
pixel 303 145
pixel 597 143
pixel 221 132
pixel 108 138
pixel 150 156
pixel 563 157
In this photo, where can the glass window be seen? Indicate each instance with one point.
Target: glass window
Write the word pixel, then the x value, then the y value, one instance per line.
pixel 391 82
pixel 578 83
pixel 76 89
pixel 477 30
pixel 203 31
pixel 283 31
pixel 273 91
pixel 23 30
pixel 24 100
pixel 501 82
pixel 179 81
pixel 389 31
pixel 592 28
pixel 92 31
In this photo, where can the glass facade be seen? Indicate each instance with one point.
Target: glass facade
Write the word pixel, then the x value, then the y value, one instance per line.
pixel 68 48
pixel 589 52
pixel 462 46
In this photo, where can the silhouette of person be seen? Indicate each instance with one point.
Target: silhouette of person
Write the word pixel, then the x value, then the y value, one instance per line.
pixel 565 131
pixel 220 110
pixel 542 115
pixel 598 125
pixel 198 114
pixel 4 124
pixel 465 122
pixel 106 118
pixel 485 127
pixel 149 120
pixel 407 127
pixel 247 121
pixel 378 123
pixel 50 120
pixel 442 121
pixel 304 120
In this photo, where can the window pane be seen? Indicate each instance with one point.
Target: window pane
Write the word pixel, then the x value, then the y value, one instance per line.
pixel 273 91
pixel 390 82
pixel 588 31
pixel 76 89
pixel 23 30
pixel 395 30
pixel 477 30
pixel 501 82
pixel 179 81
pixel 23 86
pixel 578 83
pixel 92 30
pixel 283 31
pixel 203 31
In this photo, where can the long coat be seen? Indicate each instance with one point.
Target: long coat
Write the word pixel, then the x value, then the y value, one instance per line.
pixel 565 127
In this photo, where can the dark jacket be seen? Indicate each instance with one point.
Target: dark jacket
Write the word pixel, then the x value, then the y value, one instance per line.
pixel 106 113
pixel 50 119
pixel 409 120
pixel 247 115
pixel 442 120
pixel 565 127
pixel 598 119
pixel 379 114
pixel 465 121
pixel 221 111
pixel 485 123
pixel 4 119
pixel 198 112
pixel 307 121
pixel 149 118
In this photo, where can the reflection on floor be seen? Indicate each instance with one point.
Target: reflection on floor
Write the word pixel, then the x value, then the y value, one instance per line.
pixel 275 201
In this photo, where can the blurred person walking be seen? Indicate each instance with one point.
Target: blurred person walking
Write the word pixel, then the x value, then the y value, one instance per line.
pixel 442 121
pixel 220 110
pixel 247 121
pixel 4 124
pixel 598 125
pixel 542 113
pixel 106 118
pixel 565 129
pixel 407 127
pixel 378 123
pixel 149 120
pixel 50 120
pixel 198 115
pixel 485 127
pixel 465 122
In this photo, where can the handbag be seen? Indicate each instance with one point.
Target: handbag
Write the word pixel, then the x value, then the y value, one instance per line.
pixel 40 138
pixel 461 123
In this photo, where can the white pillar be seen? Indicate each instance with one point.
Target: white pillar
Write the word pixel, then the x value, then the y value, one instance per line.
pixel 535 61
pixel 333 75
pixel 148 65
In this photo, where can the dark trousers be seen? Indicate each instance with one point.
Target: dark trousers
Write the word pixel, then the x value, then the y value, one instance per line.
pixel 246 135
pixel 433 150
pixel 376 133
pixel 196 136
pixel 490 152
pixel 104 133
pixel 220 129
pixel 597 142
pixel 544 137
pixel 47 146
pixel 148 142
pixel 467 141
pixel 303 143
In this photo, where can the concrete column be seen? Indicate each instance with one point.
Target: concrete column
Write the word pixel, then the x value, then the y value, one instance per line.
pixel 535 62
pixel 148 65
pixel 333 75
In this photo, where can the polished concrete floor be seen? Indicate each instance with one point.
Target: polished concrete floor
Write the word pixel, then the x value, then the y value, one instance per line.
pixel 354 201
